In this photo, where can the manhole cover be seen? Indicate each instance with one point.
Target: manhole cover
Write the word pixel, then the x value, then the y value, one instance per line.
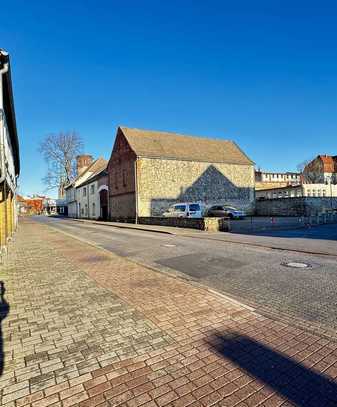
pixel 296 265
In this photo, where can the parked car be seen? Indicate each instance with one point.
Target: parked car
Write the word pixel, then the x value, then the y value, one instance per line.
pixel 185 210
pixel 223 211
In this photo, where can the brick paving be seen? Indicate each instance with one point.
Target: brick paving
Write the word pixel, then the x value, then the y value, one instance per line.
pixel 84 327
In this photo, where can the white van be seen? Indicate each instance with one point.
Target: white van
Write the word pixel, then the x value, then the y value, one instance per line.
pixel 185 210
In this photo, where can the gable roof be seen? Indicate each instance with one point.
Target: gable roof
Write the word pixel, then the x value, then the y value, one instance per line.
pixel 94 168
pixel 158 144
pixel 98 170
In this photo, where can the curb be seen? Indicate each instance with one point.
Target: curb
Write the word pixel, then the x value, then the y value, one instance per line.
pixel 166 232
pixel 208 238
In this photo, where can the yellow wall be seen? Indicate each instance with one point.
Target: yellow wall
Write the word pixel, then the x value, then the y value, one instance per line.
pixel 7 213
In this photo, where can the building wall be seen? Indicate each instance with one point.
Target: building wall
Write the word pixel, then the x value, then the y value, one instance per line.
pixel 123 206
pixel 72 209
pixel 90 202
pixel 277 177
pixel 161 183
pixel 302 206
pixel 307 190
pixel 321 170
pixel 8 215
pixel 121 180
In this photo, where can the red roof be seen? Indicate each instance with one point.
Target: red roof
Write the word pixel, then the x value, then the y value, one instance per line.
pixel 329 163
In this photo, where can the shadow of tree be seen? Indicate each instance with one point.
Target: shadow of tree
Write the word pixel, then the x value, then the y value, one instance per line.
pixel 4 310
pixel 300 385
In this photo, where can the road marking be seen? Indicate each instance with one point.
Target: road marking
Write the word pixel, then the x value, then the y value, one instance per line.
pixel 296 265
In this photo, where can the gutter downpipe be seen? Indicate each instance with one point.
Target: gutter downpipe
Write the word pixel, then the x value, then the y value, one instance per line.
pixel 136 190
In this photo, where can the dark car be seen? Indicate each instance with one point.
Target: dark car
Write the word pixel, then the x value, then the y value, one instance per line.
pixel 222 211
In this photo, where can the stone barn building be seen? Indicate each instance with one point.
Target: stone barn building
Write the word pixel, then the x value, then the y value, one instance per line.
pixel 150 170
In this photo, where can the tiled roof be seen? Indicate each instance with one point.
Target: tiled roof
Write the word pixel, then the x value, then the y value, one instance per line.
pixel 94 168
pixel 97 174
pixel 158 144
pixel 329 163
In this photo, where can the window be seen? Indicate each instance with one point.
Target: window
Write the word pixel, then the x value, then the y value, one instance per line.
pixel 195 207
pixel 308 192
pixel 92 189
pixel 86 210
pixel 124 178
pixel 318 192
pixel 84 191
pixel 324 192
pixel 180 208
pixel 93 209
pixel 314 192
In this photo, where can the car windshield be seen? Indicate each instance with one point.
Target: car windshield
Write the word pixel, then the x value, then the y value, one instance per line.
pixel 194 207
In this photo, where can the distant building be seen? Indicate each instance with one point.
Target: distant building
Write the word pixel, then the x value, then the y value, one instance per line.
pixel 76 193
pixel 92 194
pixel 49 206
pixel 321 170
pixel 30 205
pixel 9 153
pixel 296 191
pixel 266 180
pixel 150 170
pixel 61 207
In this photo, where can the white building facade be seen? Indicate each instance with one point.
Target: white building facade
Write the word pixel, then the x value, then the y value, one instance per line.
pixel 303 190
pixel 291 178
pixel 82 196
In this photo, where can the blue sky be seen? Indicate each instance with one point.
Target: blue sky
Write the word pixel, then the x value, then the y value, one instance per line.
pixel 263 73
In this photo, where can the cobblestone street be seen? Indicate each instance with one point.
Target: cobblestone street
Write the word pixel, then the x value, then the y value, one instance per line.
pixel 82 326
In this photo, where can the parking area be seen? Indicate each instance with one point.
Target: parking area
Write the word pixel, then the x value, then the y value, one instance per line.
pixel 253 224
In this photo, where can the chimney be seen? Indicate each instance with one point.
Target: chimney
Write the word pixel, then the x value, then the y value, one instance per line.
pixel 82 162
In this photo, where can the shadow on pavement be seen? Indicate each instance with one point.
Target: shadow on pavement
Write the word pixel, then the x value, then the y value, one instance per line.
pixel 320 232
pixel 299 385
pixel 4 310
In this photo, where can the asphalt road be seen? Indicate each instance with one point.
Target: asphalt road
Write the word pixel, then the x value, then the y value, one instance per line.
pixel 255 275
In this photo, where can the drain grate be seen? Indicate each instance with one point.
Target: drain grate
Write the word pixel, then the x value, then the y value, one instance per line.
pixel 296 265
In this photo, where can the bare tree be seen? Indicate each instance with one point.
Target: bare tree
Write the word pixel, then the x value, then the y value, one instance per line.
pixel 310 174
pixel 301 166
pixel 60 151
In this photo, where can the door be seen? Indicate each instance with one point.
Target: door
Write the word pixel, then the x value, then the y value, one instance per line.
pixel 103 197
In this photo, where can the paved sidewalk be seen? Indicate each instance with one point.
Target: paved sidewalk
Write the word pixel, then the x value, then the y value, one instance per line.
pixel 83 327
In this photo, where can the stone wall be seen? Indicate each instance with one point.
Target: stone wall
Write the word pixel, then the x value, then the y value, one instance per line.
pixel 301 206
pixel 207 224
pixel 122 206
pixel 162 183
